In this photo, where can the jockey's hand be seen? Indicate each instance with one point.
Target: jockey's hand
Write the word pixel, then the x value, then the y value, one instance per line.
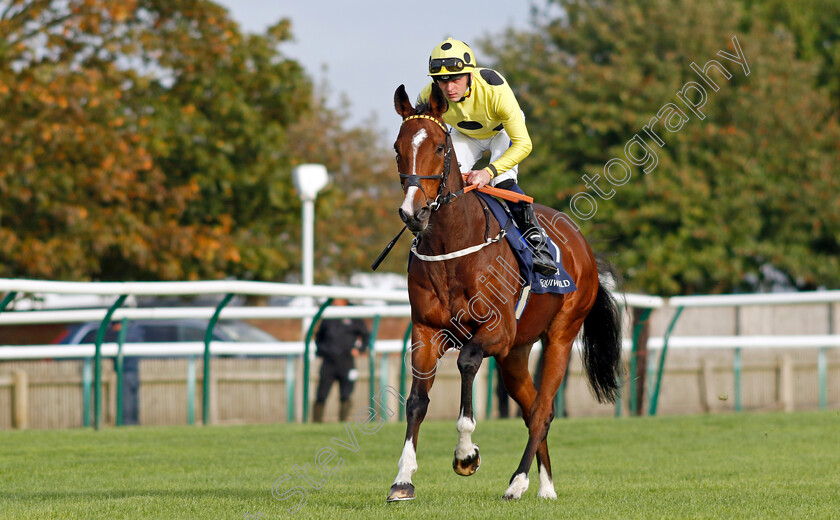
pixel 479 177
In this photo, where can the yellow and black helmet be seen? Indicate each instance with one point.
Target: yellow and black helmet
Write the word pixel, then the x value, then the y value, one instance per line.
pixel 451 58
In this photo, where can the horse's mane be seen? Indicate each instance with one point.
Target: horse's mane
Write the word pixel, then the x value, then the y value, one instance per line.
pixel 421 108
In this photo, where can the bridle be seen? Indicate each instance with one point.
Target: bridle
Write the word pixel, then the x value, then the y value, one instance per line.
pixel 407 180
pixel 440 200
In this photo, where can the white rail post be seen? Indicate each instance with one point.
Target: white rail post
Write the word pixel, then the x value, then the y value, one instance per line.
pixel 20 405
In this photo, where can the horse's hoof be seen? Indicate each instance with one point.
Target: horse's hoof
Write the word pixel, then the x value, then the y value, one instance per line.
pixel 401 492
pixel 468 466
pixel 518 486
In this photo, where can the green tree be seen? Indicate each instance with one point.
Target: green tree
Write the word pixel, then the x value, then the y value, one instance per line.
pixel 751 184
pixel 815 25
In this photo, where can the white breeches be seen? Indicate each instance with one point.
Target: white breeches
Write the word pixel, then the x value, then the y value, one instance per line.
pixel 469 151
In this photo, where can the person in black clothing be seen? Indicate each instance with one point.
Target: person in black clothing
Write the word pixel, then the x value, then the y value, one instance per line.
pixel 131 373
pixel 338 342
pixel 502 395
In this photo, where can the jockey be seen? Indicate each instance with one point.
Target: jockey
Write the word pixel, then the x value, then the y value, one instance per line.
pixel 484 115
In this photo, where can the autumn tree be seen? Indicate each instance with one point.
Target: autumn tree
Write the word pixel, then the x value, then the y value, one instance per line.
pixel 143 139
pixel 356 214
pixel 745 180
pixel 221 129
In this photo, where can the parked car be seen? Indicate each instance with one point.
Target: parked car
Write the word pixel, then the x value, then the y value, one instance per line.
pixel 158 331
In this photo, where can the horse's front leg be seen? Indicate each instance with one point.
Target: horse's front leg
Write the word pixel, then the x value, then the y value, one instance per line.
pixel 467 460
pixel 424 360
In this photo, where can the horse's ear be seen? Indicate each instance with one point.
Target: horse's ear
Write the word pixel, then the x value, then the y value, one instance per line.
pixel 402 103
pixel 437 101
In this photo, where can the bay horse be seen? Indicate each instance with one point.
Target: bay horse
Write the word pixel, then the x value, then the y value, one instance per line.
pixel 457 304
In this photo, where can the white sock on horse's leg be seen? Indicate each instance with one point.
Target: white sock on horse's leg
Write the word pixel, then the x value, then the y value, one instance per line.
pixel 546 484
pixel 518 485
pixel 407 464
pixel 465 447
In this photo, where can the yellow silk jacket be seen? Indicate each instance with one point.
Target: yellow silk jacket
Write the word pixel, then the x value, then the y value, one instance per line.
pixel 488 107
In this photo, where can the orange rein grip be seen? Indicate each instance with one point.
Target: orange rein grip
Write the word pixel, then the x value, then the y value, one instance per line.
pixel 502 194
pixel 507 194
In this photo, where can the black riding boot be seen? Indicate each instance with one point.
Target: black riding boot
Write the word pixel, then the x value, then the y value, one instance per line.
pixel 526 220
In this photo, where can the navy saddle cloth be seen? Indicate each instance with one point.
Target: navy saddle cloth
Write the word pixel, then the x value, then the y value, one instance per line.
pixel 560 283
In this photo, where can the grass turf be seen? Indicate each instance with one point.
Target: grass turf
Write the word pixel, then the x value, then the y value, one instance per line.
pixel 716 466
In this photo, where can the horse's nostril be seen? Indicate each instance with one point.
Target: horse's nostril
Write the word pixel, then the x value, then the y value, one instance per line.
pixel 403 216
pixel 423 214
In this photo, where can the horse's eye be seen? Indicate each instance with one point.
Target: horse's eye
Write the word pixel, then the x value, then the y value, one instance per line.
pixel 397 158
pixel 440 149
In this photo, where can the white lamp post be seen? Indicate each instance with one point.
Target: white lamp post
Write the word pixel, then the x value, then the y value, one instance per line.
pixel 309 179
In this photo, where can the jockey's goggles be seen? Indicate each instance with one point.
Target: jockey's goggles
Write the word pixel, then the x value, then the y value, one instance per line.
pixel 449 64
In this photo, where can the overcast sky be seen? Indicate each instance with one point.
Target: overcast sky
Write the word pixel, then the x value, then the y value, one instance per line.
pixel 366 48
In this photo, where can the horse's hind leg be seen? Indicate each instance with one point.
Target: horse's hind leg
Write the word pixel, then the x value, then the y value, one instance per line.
pixel 543 461
pixel 466 460
pixel 555 360
pixel 521 388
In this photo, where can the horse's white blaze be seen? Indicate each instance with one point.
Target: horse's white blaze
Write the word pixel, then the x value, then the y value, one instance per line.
pixel 518 486
pixel 407 205
pixel 417 140
pixel 546 485
pixel 408 464
pixel 465 447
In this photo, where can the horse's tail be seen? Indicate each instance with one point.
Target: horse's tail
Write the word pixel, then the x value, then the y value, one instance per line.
pixel 602 346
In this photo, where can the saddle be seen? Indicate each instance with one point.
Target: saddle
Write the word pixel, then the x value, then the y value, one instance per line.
pixel 531 281
pixel 534 282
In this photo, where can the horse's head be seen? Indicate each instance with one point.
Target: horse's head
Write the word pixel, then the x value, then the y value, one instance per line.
pixel 424 156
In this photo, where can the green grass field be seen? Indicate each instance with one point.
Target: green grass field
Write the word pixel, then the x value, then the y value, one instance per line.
pixel 718 466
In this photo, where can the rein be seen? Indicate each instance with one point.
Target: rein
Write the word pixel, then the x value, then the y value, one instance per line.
pixel 468 250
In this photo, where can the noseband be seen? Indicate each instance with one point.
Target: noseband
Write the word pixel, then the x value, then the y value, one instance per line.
pixel 414 180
